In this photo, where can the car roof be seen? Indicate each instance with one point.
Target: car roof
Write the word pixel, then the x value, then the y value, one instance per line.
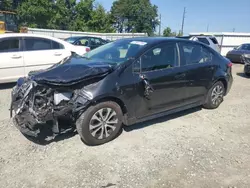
pixel 78 37
pixel 23 35
pixel 156 40
pixel 7 35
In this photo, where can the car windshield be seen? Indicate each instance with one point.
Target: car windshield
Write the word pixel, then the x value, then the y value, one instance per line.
pixel 117 52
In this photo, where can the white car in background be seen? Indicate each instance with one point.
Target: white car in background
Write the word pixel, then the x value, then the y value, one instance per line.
pixel 21 53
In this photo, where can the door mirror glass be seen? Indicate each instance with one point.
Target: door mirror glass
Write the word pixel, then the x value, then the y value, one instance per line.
pixel 137 66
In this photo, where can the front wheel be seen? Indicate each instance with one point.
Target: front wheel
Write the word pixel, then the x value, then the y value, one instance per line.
pixel 215 96
pixel 100 123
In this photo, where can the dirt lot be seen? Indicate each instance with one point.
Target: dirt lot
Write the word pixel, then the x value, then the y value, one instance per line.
pixel 196 148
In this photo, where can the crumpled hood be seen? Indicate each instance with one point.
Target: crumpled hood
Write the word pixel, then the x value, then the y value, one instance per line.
pixel 74 70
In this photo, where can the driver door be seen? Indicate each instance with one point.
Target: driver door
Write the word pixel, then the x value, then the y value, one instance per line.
pixel 163 81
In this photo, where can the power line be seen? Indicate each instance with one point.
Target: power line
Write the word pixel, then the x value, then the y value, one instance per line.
pixel 183 20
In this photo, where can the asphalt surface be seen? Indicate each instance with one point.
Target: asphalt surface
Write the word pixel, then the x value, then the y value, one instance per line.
pixel 195 148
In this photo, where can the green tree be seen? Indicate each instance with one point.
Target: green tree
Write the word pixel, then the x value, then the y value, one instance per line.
pixel 168 32
pixel 83 15
pixel 63 14
pixel 35 13
pixel 83 10
pixel 100 20
pixel 134 16
pixel 5 4
pixel 180 33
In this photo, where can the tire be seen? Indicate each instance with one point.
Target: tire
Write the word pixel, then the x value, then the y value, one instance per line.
pixel 96 127
pixel 215 96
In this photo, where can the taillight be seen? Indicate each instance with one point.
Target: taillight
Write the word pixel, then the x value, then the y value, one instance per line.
pixel 87 49
pixel 230 64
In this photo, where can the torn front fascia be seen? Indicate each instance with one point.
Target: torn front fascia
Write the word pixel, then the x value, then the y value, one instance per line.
pixel 34 106
pixel 80 100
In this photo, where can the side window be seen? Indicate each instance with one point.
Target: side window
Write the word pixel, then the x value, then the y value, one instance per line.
pixel 195 54
pixel 83 42
pixel 95 42
pixel 98 42
pixel 9 45
pixel 103 42
pixel 35 44
pixel 56 45
pixel 214 40
pixel 92 42
pixel 163 56
pixel 203 40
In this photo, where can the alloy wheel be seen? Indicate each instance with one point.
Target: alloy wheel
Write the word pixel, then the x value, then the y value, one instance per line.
pixel 103 123
pixel 217 95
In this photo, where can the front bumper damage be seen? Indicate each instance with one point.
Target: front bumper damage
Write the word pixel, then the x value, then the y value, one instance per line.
pixel 48 102
pixel 39 110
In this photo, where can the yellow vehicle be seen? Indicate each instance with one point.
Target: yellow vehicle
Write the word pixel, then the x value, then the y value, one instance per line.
pixel 8 22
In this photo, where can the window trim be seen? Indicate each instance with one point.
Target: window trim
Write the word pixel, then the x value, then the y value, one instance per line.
pixel 20 49
pixel 182 56
pixel 151 48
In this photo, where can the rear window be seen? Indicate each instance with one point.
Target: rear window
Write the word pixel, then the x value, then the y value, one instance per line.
pixel 203 40
pixel 214 40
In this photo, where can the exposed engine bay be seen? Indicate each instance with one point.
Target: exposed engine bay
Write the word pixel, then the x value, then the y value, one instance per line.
pixel 49 97
pixel 35 105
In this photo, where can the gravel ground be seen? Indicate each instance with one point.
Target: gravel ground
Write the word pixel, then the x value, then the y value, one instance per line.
pixel 196 148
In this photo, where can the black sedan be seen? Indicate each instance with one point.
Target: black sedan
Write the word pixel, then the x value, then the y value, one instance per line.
pixel 92 42
pixel 120 83
pixel 236 55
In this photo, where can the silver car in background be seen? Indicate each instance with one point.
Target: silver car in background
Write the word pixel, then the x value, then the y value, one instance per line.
pixel 208 40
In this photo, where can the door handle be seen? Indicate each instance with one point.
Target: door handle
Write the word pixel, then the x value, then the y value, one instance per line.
pixel 180 76
pixel 147 86
pixel 16 56
pixel 57 53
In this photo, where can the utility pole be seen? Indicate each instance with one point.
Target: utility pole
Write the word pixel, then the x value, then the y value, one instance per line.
pixel 160 26
pixel 183 20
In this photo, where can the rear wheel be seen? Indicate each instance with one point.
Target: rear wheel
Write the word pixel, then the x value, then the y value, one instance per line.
pixel 100 123
pixel 215 96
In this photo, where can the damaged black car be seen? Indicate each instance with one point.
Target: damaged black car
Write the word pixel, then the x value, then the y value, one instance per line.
pixel 120 83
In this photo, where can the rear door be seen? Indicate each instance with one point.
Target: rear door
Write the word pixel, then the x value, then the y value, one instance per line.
pixel 41 53
pixel 199 62
pixel 11 59
pixel 163 82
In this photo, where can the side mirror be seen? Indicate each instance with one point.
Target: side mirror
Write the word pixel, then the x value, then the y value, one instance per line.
pixel 137 66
